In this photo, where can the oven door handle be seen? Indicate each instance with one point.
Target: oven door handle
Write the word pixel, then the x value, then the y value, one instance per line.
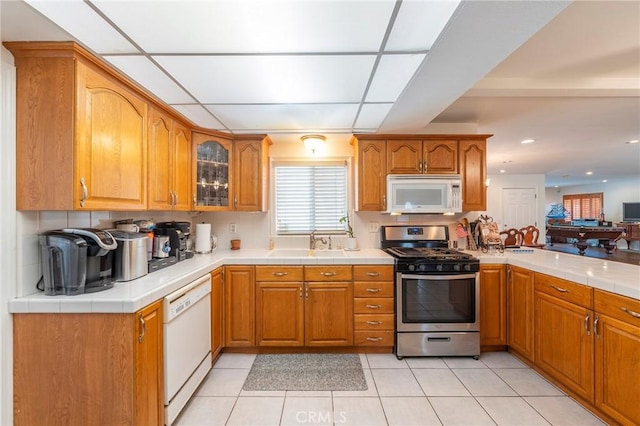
pixel 438 277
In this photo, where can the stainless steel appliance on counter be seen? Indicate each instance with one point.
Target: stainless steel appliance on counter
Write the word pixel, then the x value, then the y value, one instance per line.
pixel 76 261
pixel 179 238
pixel 437 296
pixel 130 260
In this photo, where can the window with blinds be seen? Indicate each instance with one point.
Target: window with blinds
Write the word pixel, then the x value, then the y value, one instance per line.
pixel 310 197
pixel 583 206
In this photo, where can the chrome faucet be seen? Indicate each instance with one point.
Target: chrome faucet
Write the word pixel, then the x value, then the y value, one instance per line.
pixel 313 240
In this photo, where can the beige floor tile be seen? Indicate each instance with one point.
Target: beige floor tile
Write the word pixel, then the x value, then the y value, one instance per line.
pixel 228 360
pixel 206 411
pixel 462 411
pixel 358 412
pixel 307 411
pixel 385 361
pixel 396 382
pixel 256 411
pixel 510 410
pixel 440 382
pixel 426 362
pixel 409 411
pixel 501 360
pixel 527 382
pixel 562 410
pixel 483 382
pixel 223 382
pixel 463 362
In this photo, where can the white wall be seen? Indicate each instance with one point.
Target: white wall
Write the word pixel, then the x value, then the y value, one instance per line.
pixel 615 192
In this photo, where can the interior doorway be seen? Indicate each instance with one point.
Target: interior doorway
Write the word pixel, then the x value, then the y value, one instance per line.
pixel 519 207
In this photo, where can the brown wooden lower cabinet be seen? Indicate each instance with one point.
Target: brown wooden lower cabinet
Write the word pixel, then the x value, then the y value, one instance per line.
pixel 328 316
pixel 81 369
pixel 239 306
pixel 617 356
pixel 217 310
pixel 373 306
pixel 493 305
pixel 520 311
pixel 563 333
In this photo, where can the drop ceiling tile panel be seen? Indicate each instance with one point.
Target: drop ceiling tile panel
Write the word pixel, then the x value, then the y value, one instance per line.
pixel 271 79
pixel 372 115
pixel 148 75
pixel 252 26
pixel 199 116
pixel 82 22
pixel 292 117
pixel 392 76
pixel 419 23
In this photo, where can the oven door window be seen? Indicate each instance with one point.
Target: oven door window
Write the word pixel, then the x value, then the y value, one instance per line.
pixel 438 300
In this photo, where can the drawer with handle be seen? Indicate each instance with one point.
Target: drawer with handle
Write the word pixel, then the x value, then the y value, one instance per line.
pixel 373 322
pixel 372 289
pixel 328 273
pixel 278 273
pixel 373 305
pixel 373 273
pixel 373 338
pixel 616 306
pixel 566 290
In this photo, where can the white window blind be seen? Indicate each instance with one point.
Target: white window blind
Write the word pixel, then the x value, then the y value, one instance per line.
pixel 310 197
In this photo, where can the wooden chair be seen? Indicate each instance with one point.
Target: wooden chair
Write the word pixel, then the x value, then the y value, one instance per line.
pixel 511 237
pixel 530 236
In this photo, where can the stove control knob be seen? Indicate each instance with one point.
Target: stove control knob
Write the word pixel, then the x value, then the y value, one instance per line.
pixel 439 267
pixel 412 267
pixel 467 267
pixel 456 266
pixel 423 267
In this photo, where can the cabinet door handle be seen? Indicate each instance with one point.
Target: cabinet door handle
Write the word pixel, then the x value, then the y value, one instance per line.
pixel 420 166
pixel 175 199
pixel 280 274
pixel 143 328
pixel 595 327
pixel 586 324
pixel 374 290
pixel 300 292
pixel 373 273
pixel 630 312
pixel 85 192
pixel 374 339
pixel 374 322
pixel 235 201
pixel 328 274
pixel 373 306
pixel 560 289
pixel 195 200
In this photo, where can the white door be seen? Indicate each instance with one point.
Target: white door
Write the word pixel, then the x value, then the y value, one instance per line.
pixel 519 206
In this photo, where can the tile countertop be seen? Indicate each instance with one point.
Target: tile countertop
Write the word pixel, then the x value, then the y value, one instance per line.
pixel 128 297
pixel 615 277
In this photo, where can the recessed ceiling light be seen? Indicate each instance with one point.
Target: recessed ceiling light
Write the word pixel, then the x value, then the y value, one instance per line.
pixel 502 170
pixel 604 181
pixel 528 141
pixel 557 186
pixel 633 141
pixel 589 173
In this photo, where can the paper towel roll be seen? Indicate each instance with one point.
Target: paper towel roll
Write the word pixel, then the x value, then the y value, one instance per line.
pixel 203 238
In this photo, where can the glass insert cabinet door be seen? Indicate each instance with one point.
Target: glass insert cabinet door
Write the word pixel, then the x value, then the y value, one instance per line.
pixel 212 174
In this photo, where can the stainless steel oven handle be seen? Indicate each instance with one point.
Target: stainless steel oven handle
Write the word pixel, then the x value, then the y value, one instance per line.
pixel 438 277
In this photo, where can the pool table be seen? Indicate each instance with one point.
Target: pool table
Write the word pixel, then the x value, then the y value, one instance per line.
pixel 604 234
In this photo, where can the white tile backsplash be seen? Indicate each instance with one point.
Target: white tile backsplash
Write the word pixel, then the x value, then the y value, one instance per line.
pixel 79 219
pixel 49 220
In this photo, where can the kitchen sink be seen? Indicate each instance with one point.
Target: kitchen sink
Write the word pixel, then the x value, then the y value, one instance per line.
pixel 305 253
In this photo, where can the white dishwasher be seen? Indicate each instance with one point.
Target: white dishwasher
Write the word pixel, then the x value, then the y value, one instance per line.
pixel 187 343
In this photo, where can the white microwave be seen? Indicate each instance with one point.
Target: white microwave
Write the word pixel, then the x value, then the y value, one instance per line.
pixel 424 194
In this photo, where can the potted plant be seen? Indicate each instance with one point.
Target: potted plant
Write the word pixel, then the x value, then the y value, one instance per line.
pixel 352 242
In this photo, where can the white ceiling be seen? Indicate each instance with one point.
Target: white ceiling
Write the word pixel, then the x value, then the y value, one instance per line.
pixel 566 75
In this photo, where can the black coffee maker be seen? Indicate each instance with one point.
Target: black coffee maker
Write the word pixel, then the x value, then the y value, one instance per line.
pixel 100 250
pixel 179 238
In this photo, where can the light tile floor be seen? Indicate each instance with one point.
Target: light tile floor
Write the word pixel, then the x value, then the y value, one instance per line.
pixel 497 389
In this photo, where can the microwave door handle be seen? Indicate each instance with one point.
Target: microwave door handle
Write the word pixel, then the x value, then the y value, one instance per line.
pixel 450 197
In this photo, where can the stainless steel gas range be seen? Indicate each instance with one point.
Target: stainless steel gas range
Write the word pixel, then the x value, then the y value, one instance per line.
pixel 437 296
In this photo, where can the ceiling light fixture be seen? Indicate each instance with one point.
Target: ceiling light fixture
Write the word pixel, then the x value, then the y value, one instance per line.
pixel 527 141
pixel 589 173
pixel 633 141
pixel 502 170
pixel 604 181
pixel 313 142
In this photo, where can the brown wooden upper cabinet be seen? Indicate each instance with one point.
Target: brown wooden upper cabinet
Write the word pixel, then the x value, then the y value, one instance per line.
pixel 371 170
pixel 81 132
pixel 379 155
pixel 169 163
pixel 230 174
pixel 422 156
